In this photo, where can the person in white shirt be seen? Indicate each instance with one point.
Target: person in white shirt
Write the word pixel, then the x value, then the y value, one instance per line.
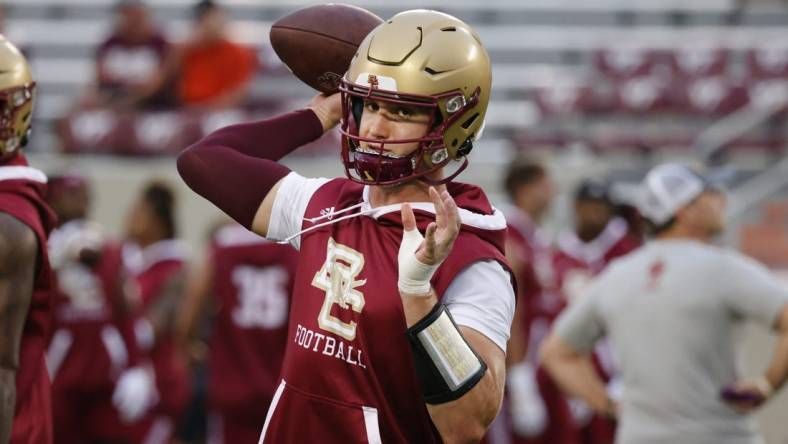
pixel 671 311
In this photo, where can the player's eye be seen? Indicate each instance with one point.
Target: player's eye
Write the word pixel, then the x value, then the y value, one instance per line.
pixel 371 106
pixel 404 113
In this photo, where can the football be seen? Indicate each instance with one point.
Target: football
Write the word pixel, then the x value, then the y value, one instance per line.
pixel 317 43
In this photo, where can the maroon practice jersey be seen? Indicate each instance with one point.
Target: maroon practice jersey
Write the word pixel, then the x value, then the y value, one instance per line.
pixel 252 283
pixel 93 340
pixel 348 372
pixel 21 195
pixel 536 281
pixel 576 262
pixel 541 304
pixel 158 263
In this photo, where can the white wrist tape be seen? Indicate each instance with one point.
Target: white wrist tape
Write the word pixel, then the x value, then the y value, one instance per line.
pixel 414 276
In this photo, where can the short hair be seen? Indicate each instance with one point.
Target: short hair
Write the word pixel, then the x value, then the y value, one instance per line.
pixel 204 7
pixel 161 199
pixel 522 173
pixel 593 189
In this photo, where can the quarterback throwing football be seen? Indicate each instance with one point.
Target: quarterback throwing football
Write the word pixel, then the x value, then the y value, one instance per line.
pixel 403 300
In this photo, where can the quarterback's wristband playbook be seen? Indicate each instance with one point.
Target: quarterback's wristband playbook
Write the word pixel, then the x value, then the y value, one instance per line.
pixel 446 365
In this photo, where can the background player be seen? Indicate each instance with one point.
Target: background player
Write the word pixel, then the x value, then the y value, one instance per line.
pixel 361 391
pixel 93 346
pixel 25 275
pixel 599 236
pixel 157 262
pixel 245 285
pixel 538 412
pixel 670 310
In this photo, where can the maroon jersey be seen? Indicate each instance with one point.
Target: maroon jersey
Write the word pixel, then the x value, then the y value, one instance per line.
pixel 542 303
pixel 252 283
pixel 21 195
pixel 152 270
pixel 536 282
pixel 93 342
pixel 348 372
pixel 576 262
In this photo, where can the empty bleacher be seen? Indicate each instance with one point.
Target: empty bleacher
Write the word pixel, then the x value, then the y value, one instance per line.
pixel 545 56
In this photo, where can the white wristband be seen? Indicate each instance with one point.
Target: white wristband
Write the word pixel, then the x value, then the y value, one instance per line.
pixel 414 276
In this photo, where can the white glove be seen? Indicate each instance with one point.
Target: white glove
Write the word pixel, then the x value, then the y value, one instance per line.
pixel 529 414
pixel 581 412
pixel 135 393
pixel 414 276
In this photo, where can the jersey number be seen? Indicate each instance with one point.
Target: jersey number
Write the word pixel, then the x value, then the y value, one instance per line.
pixel 337 278
pixel 262 297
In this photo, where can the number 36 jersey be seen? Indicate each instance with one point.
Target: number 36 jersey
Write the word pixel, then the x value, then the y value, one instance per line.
pixel 252 283
pixel 348 374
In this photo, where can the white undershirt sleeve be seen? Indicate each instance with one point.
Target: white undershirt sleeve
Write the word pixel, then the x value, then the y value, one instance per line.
pixel 287 213
pixel 481 297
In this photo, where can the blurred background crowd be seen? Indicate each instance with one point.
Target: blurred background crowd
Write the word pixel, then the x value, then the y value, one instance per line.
pixel 587 95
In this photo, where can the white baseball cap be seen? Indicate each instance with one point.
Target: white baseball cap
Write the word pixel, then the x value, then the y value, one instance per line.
pixel 667 188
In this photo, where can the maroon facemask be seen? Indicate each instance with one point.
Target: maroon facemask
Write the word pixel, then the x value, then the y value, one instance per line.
pixel 377 166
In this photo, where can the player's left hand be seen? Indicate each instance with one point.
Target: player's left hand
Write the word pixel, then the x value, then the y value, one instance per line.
pixel 328 109
pixel 747 395
pixel 135 393
pixel 440 235
pixel 420 256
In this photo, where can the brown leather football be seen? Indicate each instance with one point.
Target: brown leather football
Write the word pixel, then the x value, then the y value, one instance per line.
pixel 317 43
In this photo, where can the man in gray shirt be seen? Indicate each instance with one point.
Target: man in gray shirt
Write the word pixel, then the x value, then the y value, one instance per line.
pixel 671 311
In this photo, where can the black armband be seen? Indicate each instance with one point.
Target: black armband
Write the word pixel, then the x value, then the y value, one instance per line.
pixel 446 365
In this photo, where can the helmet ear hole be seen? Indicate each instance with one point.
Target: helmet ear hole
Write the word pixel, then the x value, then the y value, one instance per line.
pixel 467 124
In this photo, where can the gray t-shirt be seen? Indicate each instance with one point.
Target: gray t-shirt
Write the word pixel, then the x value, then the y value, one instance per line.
pixel 671 311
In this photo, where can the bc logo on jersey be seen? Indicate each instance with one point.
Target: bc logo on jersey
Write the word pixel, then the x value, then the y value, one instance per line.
pixel 337 278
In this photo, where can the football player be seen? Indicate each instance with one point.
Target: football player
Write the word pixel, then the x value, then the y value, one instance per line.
pixel 25 275
pixel 156 261
pixel 247 281
pixel 538 412
pixel 93 349
pixel 671 310
pixel 403 300
pixel 599 236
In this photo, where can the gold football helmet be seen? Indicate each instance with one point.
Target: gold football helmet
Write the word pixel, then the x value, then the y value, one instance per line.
pixel 423 59
pixel 17 90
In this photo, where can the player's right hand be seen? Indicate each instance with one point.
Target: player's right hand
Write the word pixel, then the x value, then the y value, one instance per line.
pixel 747 395
pixel 328 109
